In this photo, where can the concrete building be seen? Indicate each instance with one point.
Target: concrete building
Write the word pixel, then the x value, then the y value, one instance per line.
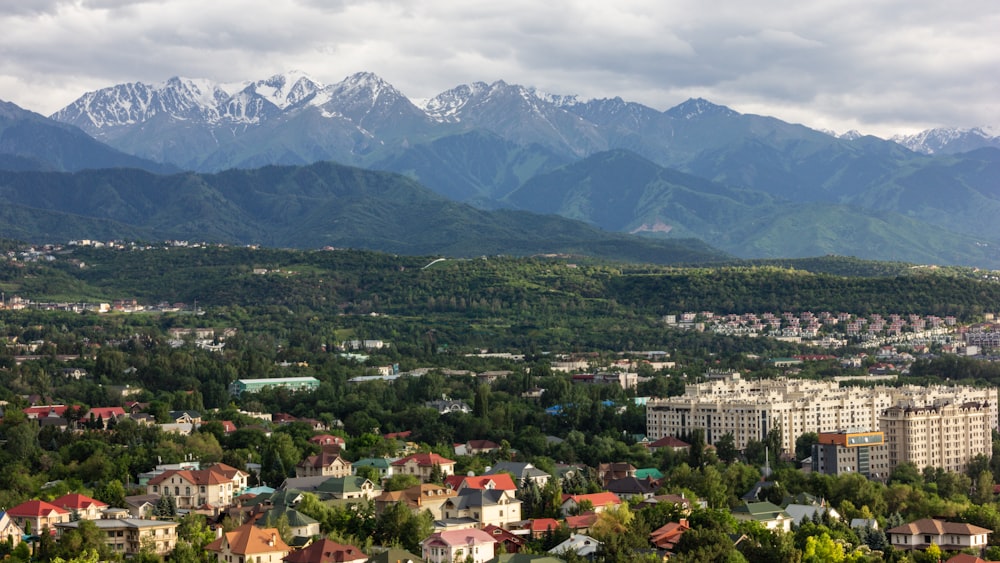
pixel 861 452
pixel 128 536
pixel 946 436
pixel 748 409
pixel 241 386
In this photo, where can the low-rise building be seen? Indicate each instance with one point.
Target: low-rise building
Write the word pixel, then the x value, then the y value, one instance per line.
pixel 483 506
pixel 248 543
pixel 213 487
pixel 128 536
pixel 422 465
pixel 325 464
pixel 454 546
pixel 241 386
pixel 836 453
pixel 769 515
pixel 34 515
pixel 949 536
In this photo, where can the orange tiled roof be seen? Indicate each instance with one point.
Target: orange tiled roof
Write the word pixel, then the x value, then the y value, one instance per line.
pixel 250 540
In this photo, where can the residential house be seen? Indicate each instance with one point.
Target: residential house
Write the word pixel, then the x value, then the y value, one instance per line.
pixel 583 545
pixel 327 551
pixel 45 411
pixel 581 523
pixel 607 472
pixel 863 523
pixel 422 465
pixel 507 542
pixel 34 515
pixel 598 501
pixel 476 447
pixel 428 497
pixel 381 464
pixel 539 527
pixel 802 512
pixel 186 417
pixel 455 546
pixel 81 507
pixel 770 515
pixel 302 527
pixel 213 488
pixel 128 536
pixel 522 472
pixel 949 536
pixel 483 506
pixel 670 442
pixel 628 488
pixel 666 537
pixel 328 440
pixel 323 463
pixel 304 484
pixel 10 532
pixel 350 487
pixel 249 544
pixel 499 481
pixel 141 506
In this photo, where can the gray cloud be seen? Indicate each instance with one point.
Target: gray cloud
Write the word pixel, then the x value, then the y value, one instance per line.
pixel 880 67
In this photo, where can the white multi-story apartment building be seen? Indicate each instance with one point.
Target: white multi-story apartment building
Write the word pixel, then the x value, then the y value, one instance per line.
pixel 749 409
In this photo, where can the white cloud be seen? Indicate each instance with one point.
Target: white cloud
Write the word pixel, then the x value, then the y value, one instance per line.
pixel 880 67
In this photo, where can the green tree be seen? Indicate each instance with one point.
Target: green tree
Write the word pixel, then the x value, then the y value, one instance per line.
pixel 401 481
pixel 398 525
pixel 822 549
pixel 725 448
pixel 112 493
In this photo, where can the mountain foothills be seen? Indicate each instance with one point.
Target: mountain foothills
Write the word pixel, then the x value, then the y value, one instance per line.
pixel 752 186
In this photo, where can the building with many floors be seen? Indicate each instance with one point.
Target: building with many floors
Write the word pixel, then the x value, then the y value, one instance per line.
pixel 946 436
pixel 749 409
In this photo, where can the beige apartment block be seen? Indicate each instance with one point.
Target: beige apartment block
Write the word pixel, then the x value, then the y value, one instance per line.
pixel 946 436
pixel 748 409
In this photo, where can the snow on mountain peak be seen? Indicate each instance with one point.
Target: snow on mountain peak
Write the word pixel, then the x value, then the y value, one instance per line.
pixel 446 105
pixel 948 140
pixel 286 89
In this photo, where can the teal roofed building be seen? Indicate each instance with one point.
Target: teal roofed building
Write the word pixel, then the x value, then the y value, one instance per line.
pixel 241 386
pixel 381 464
pixel 648 473
pixel 351 487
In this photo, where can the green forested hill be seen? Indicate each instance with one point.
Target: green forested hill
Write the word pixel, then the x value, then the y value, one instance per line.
pixel 522 289
pixel 323 204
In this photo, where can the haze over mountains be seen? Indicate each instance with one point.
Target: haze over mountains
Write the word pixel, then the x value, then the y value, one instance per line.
pixel 753 186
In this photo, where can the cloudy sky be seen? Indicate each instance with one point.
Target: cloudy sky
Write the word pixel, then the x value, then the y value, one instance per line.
pixel 881 67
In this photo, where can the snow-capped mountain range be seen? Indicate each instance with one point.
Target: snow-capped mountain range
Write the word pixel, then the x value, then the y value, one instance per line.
pixel 950 140
pixel 253 102
pixel 700 168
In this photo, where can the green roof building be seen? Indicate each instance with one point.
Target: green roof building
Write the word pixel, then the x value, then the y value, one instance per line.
pixel 241 386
